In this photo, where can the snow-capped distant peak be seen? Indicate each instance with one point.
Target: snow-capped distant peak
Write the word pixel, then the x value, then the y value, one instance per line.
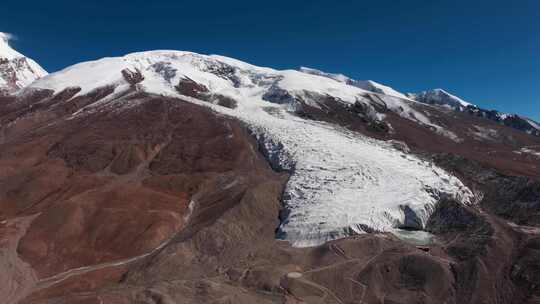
pixel 368 85
pixel 442 98
pixel 442 92
pixel 6 51
pixel 16 70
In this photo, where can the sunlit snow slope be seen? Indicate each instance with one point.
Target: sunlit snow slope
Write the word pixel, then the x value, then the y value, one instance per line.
pixel 341 182
pixel 368 85
pixel 16 70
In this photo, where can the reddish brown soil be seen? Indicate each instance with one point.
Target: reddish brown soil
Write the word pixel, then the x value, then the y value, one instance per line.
pixel 166 202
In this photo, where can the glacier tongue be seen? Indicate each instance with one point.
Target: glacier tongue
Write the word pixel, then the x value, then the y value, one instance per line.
pixel 341 182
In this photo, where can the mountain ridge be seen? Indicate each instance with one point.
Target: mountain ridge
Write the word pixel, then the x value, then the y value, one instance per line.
pixel 16 70
pixel 438 97
pixel 20 71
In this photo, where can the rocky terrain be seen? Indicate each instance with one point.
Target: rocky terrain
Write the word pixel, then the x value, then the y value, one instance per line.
pixel 174 177
pixel 442 98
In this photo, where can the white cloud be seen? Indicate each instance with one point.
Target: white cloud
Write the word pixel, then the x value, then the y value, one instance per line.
pixel 7 36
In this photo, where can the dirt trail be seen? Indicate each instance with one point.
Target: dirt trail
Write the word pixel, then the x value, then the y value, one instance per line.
pixel 57 278
pixel 16 276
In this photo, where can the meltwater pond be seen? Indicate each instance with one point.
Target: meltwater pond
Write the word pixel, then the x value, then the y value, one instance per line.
pixel 415 237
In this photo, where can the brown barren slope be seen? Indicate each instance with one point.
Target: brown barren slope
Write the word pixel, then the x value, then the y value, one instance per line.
pixel 167 202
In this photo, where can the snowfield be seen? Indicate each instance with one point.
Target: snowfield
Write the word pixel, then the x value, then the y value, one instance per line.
pixel 367 85
pixel 341 182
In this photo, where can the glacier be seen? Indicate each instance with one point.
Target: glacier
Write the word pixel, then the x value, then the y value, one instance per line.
pixel 341 182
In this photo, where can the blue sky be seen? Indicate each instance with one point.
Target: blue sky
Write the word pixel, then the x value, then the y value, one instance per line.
pixel 487 52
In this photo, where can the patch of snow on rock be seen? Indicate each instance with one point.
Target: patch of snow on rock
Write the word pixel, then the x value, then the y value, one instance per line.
pixel 483 133
pixel 531 151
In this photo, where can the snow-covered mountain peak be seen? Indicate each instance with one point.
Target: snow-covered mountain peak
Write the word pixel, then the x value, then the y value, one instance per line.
pixel 16 70
pixel 161 72
pixel 340 182
pixel 442 98
pixel 441 92
pixel 6 51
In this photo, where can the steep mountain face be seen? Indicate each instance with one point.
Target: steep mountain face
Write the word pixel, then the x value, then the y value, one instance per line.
pixel 443 98
pixel 174 177
pixel 16 70
pixel 510 120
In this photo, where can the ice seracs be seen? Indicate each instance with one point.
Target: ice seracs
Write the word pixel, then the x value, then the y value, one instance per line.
pixel 341 182
pixel 16 70
pixel 344 183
